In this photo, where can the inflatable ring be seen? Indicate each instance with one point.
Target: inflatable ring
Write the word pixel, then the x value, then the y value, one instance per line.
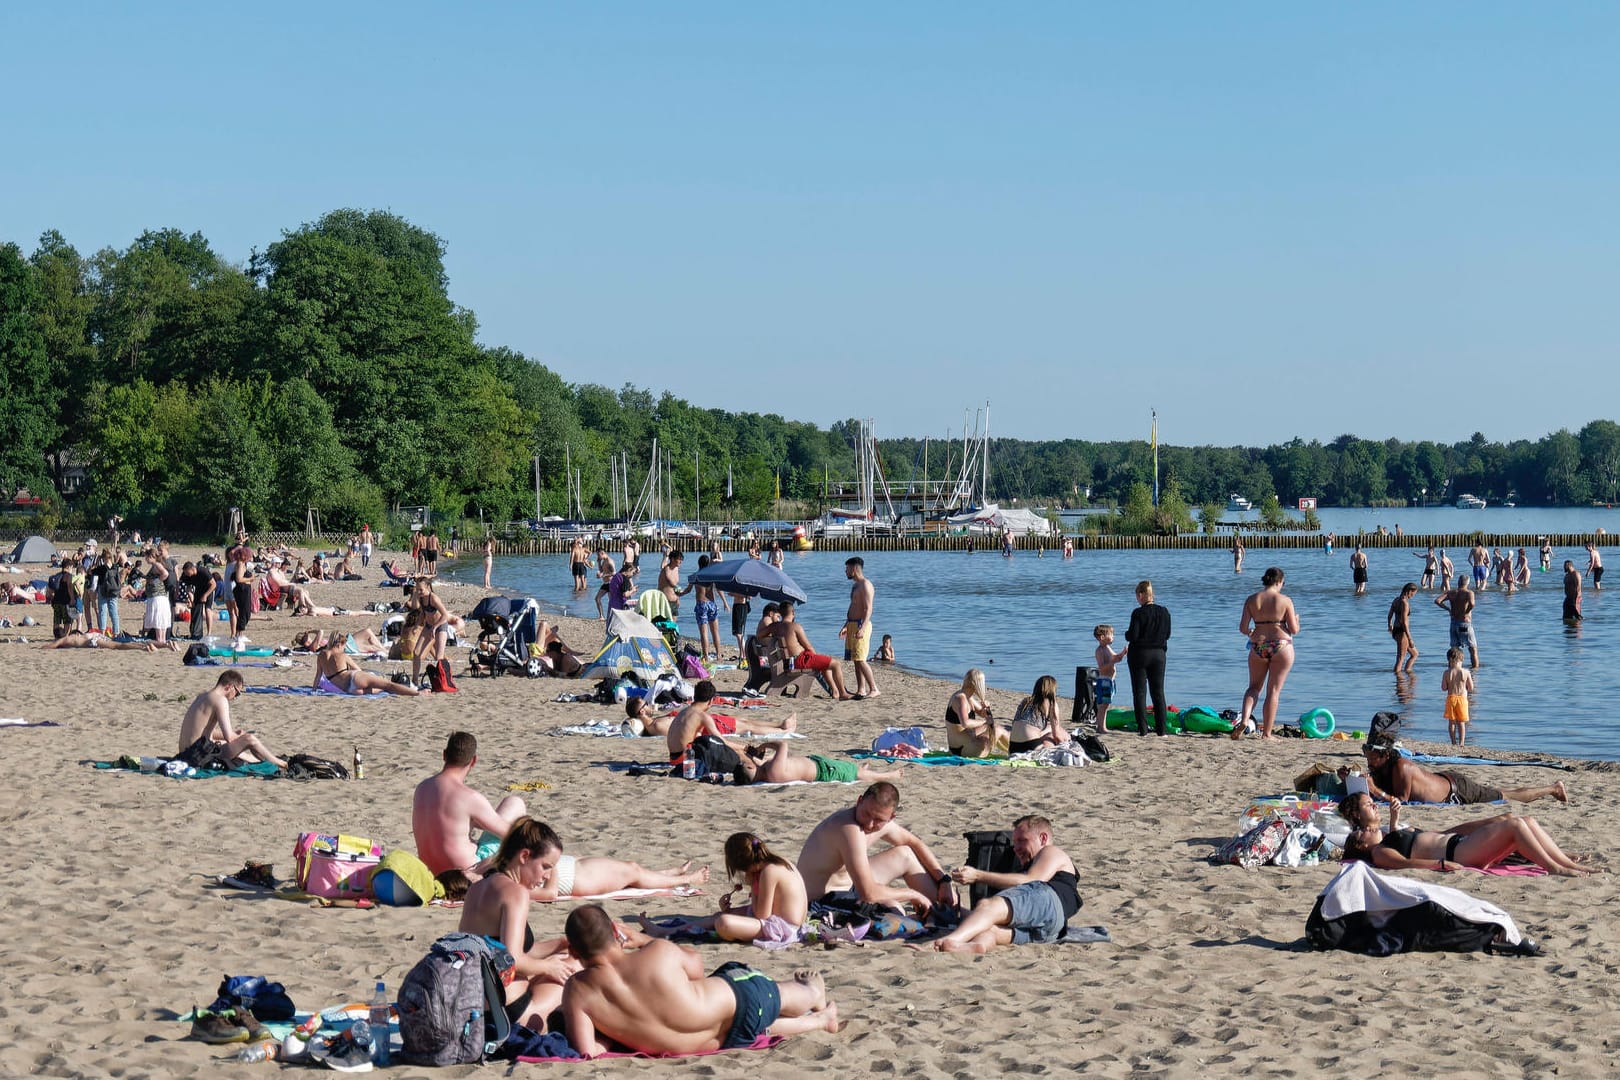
pixel 1316 724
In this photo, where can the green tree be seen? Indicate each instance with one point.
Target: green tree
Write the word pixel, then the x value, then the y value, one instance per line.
pixel 1138 514
pixel 1559 456
pixel 1600 457
pixel 310 462
pixel 28 420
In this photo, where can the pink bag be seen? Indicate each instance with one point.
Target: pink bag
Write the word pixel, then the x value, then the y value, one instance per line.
pixel 692 667
pixel 1254 848
pixel 335 867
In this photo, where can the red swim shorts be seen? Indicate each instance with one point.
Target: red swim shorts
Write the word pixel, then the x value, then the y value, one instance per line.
pixel 809 661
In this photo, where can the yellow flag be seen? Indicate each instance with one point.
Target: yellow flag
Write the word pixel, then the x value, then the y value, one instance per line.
pixel 1153 439
pixel 778 485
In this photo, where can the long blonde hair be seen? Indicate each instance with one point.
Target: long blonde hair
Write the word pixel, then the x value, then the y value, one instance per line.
pixel 973 683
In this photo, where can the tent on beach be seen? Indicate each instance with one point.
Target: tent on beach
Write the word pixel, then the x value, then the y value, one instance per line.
pixel 633 645
pixel 33 549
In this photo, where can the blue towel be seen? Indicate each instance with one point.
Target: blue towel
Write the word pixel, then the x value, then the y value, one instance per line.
pixel 1449 759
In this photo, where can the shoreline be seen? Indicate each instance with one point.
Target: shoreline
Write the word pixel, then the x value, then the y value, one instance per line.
pixel 1205 967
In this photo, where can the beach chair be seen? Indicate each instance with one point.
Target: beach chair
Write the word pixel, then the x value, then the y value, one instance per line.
pixel 784 680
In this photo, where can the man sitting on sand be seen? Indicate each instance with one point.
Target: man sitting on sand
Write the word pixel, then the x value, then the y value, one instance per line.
pixel 444 811
pixel 796 647
pixel 775 764
pixel 206 735
pixel 657 1000
pixel 1033 905
pixel 695 720
pixel 835 857
pixel 1390 774
pixel 336 672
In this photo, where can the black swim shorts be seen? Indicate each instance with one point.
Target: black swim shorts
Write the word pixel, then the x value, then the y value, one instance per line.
pixel 759 1003
pixel 1465 791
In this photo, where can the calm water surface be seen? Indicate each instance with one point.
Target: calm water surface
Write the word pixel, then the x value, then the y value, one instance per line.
pixel 1541 686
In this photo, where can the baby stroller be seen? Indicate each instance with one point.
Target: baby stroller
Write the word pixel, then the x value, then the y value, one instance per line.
pixel 509 631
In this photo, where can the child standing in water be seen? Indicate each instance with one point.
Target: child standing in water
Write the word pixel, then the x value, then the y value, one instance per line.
pixel 1107 659
pixel 1458 683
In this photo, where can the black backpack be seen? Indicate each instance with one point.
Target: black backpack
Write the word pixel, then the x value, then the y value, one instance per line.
pixel 989 850
pixel 441 1000
pixel 1094 748
pixel 310 767
pixel 713 756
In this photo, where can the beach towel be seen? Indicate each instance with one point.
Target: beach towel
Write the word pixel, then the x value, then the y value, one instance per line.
pixel 764 1042
pixel 1451 759
pixel 19 722
pixel 939 757
pixel 636 894
pixel 310 691
pixel 177 770
pixel 616 730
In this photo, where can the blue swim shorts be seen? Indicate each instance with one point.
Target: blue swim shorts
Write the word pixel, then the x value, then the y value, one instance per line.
pixel 759 1002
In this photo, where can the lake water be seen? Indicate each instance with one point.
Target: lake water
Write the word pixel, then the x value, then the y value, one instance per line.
pixel 1541 687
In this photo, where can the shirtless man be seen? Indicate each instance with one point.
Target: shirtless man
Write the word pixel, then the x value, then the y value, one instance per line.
pixel 1034 904
pixel 656 1000
pixel 1447 568
pixel 1594 566
pixel 695 720
pixel 444 811
pixel 1572 593
pixel 706 601
pixel 1358 570
pixel 775 764
pixel 857 631
pixel 669 581
pixel 1390 774
pixel 835 856
pixel 1431 566
pixel 337 672
pixel 1480 560
pixel 796 647
pixel 579 557
pixel 208 721
pixel 1459 602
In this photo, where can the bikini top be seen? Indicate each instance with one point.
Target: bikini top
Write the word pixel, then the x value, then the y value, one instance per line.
pixel 1400 842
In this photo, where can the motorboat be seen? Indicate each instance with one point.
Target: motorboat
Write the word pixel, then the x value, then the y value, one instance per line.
pixel 1237 504
pixel 1470 502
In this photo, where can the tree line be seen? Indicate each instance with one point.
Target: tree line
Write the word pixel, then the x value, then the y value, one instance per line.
pixel 332 371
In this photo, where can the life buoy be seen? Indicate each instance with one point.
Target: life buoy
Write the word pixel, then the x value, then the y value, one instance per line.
pixel 1316 724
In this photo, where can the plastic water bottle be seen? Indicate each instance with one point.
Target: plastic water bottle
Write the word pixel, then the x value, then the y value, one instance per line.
pixel 689 765
pixel 379 1024
pixel 359 774
pixel 262 1051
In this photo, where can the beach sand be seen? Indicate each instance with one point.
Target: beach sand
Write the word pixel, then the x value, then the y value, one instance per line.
pixel 109 930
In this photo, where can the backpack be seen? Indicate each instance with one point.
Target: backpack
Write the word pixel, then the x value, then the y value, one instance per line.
pixel 1094 748
pixel 990 850
pixel 309 767
pixel 196 653
pixel 440 680
pixel 712 756
pixel 452 1005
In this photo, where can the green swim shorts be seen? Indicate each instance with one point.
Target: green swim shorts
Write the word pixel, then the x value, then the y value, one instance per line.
pixel 834 770
pixel 488 845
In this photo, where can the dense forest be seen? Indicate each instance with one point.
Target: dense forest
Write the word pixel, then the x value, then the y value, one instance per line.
pixel 333 372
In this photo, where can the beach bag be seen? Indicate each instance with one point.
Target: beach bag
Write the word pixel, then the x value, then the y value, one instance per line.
pixel 335 867
pixel 1384 724
pixel 195 654
pixel 1094 748
pixel 712 755
pixel 310 767
pixel 403 880
pixel 1299 846
pixel 452 1004
pixel 989 850
pixel 1255 847
pixel 264 999
pixel 692 667
pixel 440 680
pixel 900 736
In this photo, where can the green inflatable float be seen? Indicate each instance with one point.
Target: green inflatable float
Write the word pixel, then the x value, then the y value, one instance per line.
pixel 1197 719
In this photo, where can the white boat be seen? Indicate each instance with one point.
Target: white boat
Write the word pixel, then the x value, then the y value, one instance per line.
pixel 1470 502
pixel 1237 504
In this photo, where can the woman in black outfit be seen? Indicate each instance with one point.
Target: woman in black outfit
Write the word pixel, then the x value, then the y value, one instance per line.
pixel 1148 633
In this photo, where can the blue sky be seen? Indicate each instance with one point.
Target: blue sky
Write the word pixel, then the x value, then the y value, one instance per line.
pixel 1262 220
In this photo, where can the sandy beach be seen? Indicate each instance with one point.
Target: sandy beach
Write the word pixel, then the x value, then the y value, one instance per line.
pixel 110 931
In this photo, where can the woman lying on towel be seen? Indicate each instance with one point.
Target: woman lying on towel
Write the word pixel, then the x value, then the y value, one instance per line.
pixel 777 908
pixel 361 642
pixel 1474 844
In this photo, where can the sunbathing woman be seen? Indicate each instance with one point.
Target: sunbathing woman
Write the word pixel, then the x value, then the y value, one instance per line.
pixel 777 908
pixel 337 673
pixel 1036 722
pixel 970 730
pixel 497 906
pixel 80 639
pixel 595 876
pixel 1476 844
pixel 359 643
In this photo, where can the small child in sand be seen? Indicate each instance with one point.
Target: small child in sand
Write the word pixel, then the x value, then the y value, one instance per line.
pixel 885 653
pixel 1107 660
pixel 1458 683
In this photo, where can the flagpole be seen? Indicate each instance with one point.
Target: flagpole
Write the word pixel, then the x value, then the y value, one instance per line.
pixel 1155 456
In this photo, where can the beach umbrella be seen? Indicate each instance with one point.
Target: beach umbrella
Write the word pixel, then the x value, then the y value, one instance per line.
pixel 750 577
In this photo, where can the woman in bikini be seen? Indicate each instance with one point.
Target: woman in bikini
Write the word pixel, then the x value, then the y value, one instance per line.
pixel 1270 623
pixel 337 673
pixel 1399 619
pixel 970 730
pixel 1474 844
